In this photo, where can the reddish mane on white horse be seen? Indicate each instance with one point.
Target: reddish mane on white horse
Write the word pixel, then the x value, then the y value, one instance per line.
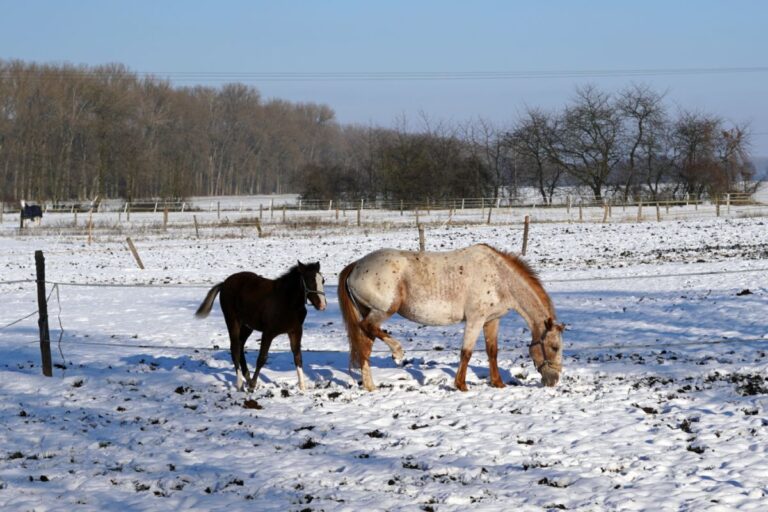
pixel 477 285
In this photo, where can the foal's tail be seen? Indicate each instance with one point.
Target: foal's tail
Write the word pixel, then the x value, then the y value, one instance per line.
pixel 359 342
pixel 207 304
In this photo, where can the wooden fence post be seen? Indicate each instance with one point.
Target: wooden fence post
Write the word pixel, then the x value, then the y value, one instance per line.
pixel 283 214
pixel 258 228
pixel 640 211
pixel 218 209
pixel 135 253
pixel 90 226
pixel 197 230
pixel 42 309
pixel 165 218
pixel 421 238
pixel 261 211
pixel 2 207
pixel 717 206
pixel 658 213
pixel 490 209
pixel 401 207
pixel 525 234
pixel 359 213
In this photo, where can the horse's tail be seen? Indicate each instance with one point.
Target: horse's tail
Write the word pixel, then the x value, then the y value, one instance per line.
pixel 359 342
pixel 207 304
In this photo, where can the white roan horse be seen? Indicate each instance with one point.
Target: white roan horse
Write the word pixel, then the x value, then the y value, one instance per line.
pixel 477 285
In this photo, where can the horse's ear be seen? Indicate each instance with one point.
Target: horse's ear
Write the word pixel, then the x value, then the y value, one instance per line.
pixel 301 266
pixel 560 327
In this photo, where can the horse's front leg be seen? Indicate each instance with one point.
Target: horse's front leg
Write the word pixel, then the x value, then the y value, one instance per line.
pixel 471 332
pixel 266 341
pixel 491 333
pixel 295 337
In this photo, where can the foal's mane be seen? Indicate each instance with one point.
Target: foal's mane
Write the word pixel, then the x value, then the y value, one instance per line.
pixel 526 271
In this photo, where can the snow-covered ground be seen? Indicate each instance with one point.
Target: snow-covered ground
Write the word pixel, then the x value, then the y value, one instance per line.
pixel 662 405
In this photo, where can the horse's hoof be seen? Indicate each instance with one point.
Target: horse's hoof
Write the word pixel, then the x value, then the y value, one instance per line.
pixel 498 384
pixel 461 386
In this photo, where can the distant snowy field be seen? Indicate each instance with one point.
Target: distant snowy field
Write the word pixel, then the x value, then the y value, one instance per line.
pixel 662 405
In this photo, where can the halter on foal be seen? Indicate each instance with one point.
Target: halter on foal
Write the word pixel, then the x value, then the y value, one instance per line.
pixel 272 306
pixel 477 285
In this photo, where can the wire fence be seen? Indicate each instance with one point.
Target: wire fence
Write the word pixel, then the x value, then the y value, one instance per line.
pixel 56 285
pixel 271 217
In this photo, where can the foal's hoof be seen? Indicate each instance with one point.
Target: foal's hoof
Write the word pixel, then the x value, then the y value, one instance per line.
pixel 461 386
pixel 399 357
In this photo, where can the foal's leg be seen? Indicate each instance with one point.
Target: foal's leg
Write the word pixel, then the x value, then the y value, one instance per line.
pixel 471 332
pixel 371 324
pixel 295 337
pixel 235 347
pixel 266 341
pixel 491 332
pixel 245 331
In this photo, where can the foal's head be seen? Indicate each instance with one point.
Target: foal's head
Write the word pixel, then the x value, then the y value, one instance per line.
pixel 313 280
pixel 547 352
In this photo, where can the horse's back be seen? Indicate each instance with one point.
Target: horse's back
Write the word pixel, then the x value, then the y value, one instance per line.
pixel 242 290
pixel 427 287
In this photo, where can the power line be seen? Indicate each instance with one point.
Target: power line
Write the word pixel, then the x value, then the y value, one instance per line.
pixel 341 76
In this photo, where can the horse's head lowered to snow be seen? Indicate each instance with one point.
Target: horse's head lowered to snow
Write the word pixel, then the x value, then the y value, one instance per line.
pixel 547 352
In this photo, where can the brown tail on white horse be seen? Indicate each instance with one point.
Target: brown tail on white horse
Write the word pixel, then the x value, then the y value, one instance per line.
pixel 360 344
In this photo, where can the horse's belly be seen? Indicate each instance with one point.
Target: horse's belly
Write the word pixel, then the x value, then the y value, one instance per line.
pixel 432 312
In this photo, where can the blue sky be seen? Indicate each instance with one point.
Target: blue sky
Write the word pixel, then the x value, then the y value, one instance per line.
pixel 239 37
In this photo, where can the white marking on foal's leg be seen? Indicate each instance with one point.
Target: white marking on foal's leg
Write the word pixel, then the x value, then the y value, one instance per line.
pixel 302 383
pixel 239 380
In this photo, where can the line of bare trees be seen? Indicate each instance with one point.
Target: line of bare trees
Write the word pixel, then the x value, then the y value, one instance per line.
pixel 71 132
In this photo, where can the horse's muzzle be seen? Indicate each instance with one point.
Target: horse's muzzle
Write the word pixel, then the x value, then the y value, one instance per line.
pixel 549 377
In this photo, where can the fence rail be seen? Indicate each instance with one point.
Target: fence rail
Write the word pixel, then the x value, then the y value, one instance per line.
pixel 233 218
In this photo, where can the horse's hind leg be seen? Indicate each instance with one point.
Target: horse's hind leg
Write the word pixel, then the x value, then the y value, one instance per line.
pixel 266 342
pixel 235 349
pixel 491 332
pixel 244 333
pixel 371 324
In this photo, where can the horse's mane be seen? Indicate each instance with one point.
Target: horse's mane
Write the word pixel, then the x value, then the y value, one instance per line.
pixel 294 270
pixel 526 271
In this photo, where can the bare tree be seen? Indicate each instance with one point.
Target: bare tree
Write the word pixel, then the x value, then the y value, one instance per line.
pixel 587 145
pixel 533 141
pixel 644 114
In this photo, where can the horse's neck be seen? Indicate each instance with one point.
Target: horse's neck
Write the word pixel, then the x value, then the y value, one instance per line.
pixel 289 285
pixel 530 300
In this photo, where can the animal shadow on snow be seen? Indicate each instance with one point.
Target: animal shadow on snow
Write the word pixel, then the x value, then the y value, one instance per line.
pixel 328 368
